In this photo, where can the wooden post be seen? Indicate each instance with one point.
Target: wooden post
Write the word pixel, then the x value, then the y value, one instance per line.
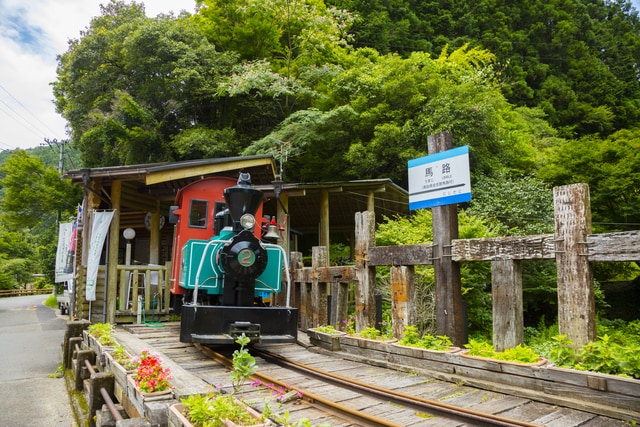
pixel 154 237
pixel 506 291
pixel 112 269
pixel 402 298
pixel 281 215
pixel 319 259
pixel 365 289
pixel 324 219
pixel 576 303
pixel 340 306
pixel 449 316
pixel 295 263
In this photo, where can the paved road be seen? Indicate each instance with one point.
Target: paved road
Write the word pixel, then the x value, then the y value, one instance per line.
pixel 31 335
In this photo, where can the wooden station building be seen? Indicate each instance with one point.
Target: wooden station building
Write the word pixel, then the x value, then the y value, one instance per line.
pixel 134 275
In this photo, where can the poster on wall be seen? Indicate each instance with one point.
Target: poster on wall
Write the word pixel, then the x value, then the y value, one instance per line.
pixel 65 236
pixel 99 230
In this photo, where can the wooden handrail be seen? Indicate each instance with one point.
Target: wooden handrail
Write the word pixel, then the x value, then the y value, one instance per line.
pixel 23 292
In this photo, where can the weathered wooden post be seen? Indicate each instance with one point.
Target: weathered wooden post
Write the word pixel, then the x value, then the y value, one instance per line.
pixel 295 263
pixel 402 298
pixel 339 303
pixel 111 282
pixel 576 303
pixel 449 315
pixel 365 290
pixel 304 293
pixel 319 259
pixel 506 292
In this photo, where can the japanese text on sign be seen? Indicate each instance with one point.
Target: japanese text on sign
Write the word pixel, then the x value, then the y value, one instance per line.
pixel 440 179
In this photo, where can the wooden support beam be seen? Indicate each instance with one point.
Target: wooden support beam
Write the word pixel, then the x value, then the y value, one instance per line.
pixel 506 292
pixel 421 254
pixel 449 315
pixel 347 273
pixel 319 259
pixel 513 247
pixel 324 239
pixel 614 247
pixel 403 311
pixel 154 238
pixel 576 303
pixel 365 290
pixel 114 239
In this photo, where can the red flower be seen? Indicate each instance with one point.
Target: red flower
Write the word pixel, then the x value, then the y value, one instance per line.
pixel 151 376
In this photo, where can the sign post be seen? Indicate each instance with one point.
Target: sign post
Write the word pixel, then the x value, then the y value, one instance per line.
pixel 440 181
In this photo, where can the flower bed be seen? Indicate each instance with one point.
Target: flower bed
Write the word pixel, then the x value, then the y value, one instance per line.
pixel 327 340
pixel 608 395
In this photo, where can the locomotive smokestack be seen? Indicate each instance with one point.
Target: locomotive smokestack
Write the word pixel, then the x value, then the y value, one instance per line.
pixel 242 199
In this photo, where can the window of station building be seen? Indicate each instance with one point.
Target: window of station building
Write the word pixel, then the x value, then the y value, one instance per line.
pixel 198 213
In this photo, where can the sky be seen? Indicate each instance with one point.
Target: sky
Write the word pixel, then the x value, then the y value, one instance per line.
pixel 32 34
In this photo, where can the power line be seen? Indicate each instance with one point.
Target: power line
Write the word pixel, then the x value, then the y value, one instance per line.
pixel 26 109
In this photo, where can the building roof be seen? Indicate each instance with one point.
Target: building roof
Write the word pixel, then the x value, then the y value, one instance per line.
pixel 345 199
pixel 144 185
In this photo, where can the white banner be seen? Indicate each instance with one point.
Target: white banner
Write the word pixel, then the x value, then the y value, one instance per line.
pixel 65 233
pixel 99 228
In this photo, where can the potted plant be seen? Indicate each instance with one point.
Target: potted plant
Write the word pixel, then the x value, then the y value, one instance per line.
pixel 151 378
pixel 98 337
pixel 368 339
pixel 415 350
pixel 121 363
pixel 520 354
pixel 326 337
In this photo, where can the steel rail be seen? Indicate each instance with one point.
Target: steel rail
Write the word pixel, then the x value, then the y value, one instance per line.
pixel 436 406
pixel 306 395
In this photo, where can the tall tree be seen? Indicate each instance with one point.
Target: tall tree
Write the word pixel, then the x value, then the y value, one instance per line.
pixel 34 198
pixel 132 84
pixel 379 111
pixel 610 167
pixel 575 59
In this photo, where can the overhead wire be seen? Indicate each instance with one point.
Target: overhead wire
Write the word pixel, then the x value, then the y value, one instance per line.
pixel 34 124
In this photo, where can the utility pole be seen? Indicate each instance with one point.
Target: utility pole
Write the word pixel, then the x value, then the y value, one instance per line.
pixel 60 146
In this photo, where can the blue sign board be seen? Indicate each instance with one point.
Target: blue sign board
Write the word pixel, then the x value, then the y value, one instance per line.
pixel 440 179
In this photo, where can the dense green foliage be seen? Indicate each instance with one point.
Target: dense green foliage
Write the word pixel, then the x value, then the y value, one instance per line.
pixel 575 59
pixel 352 89
pixel 33 199
pixel 616 352
pixel 544 93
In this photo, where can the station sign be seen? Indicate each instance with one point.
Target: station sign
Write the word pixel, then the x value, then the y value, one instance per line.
pixel 440 179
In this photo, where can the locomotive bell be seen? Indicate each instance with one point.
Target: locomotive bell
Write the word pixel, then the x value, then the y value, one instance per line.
pixel 272 232
pixel 242 199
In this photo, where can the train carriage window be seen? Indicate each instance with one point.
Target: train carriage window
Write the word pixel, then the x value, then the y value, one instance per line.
pixel 198 213
pixel 219 221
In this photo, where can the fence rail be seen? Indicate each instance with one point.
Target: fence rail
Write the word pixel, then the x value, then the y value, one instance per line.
pixel 22 292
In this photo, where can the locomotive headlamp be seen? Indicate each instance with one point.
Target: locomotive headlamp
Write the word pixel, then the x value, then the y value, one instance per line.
pixel 247 221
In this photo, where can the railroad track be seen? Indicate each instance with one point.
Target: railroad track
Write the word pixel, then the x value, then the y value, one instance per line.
pixel 330 391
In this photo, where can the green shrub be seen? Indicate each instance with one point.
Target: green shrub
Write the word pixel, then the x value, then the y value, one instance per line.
pixel 102 332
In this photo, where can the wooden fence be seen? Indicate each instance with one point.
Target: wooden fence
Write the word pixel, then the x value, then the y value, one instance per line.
pixel 142 294
pixel 572 247
pixel 23 292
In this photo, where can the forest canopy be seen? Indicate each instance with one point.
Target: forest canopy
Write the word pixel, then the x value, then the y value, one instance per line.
pixel 351 89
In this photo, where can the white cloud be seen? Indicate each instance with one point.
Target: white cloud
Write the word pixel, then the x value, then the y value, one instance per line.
pixel 32 34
